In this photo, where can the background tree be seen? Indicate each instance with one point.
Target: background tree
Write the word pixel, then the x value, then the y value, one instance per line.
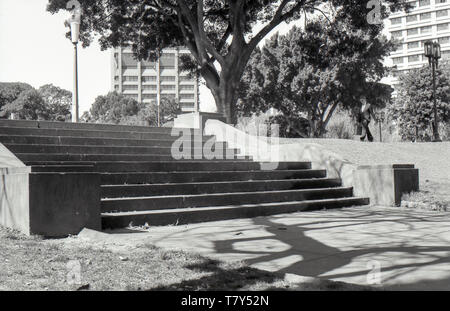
pixel 118 109
pixel 219 33
pixel 412 109
pixel 310 73
pixel 9 92
pixel 28 106
pixel 112 108
pixel 58 102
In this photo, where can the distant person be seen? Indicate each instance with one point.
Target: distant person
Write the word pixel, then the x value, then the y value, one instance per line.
pixel 365 117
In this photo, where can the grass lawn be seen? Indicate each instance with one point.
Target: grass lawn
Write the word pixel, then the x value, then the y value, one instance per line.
pixel 32 263
pixel 432 160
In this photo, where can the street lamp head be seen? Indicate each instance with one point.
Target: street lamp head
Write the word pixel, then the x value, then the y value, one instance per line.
pixel 75 31
pixel 428 47
pixel 436 50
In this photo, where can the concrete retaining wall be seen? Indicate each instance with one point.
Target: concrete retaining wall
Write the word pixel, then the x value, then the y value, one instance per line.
pixel 383 184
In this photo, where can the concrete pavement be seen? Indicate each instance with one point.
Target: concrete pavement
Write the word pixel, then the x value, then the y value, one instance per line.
pixel 409 248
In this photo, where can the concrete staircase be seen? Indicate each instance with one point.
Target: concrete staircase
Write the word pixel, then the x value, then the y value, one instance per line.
pixel 141 182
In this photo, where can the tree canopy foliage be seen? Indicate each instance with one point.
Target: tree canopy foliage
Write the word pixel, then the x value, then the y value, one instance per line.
pixel 116 108
pixel 413 108
pixel 219 33
pixel 49 102
pixel 310 73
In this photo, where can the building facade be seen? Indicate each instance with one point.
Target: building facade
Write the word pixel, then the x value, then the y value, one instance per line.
pixel 147 81
pixel 428 20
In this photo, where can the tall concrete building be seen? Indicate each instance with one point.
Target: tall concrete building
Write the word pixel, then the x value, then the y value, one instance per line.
pixel 145 81
pixel 428 20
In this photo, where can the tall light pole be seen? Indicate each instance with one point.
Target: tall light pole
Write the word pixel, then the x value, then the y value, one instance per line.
pixel 74 22
pixel 433 52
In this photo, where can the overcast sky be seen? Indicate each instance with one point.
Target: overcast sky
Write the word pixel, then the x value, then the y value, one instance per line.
pixel 34 50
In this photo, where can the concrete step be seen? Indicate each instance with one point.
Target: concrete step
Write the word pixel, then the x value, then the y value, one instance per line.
pixel 180 166
pixel 35 158
pixel 86 141
pixel 61 168
pixel 219 199
pixel 206 176
pixel 122 191
pixel 64 149
pixel 19 131
pixel 81 126
pixel 196 215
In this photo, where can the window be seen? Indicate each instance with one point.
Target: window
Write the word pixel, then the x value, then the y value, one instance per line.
pixel 444 40
pixel 168 79
pixel 426 29
pixel 149 96
pixel 441 1
pixel 132 96
pixel 441 13
pixel 167 67
pixel 149 87
pixel 144 67
pixel 397 60
pixel 148 78
pixel 130 79
pixel 424 3
pixel 396 21
pixel 116 78
pixel 116 88
pixel 130 87
pixel 413 31
pixel 412 18
pixel 187 78
pixel 186 87
pixel 186 96
pixel 442 27
pixel 413 58
pixel 167 87
pixel 414 45
pixel 129 67
pixel 446 54
pixel 425 16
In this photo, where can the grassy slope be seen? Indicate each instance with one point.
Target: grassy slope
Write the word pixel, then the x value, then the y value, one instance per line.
pixel 432 159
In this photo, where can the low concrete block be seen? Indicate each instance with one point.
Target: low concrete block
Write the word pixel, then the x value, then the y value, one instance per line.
pixel 196 120
pixel 385 184
pixel 50 204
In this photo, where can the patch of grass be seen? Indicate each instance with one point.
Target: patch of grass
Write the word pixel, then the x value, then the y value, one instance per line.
pixel 433 197
pixel 33 263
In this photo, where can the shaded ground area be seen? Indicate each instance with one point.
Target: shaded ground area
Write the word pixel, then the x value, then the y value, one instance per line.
pixel 411 248
pixel 99 263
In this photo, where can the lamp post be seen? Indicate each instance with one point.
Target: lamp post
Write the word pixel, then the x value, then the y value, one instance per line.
pixel 433 52
pixel 74 22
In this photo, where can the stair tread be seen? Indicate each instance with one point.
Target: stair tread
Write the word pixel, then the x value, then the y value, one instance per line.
pixel 203 209
pixel 225 194
pixel 224 182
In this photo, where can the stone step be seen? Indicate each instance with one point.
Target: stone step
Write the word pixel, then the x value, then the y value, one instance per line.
pixel 206 176
pixel 121 191
pixel 19 131
pixel 64 149
pixel 61 168
pixel 173 166
pixel 81 126
pixel 86 141
pixel 60 157
pixel 196 215
pixel 218 199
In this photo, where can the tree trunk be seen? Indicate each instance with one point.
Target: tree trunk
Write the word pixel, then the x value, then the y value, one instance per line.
pixel 225 95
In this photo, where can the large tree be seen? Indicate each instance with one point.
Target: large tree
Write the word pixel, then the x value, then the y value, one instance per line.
pixel 10 91
pixel 413 108
pixel 58 102
pixel 28 106
pixel 219 33
pixel 309 73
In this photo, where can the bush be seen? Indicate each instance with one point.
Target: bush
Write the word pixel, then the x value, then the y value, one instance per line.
pixel 341 126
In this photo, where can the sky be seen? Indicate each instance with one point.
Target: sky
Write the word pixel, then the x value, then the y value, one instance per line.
pixel 34 50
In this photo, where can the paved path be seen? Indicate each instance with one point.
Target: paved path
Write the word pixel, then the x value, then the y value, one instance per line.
pixel 412 247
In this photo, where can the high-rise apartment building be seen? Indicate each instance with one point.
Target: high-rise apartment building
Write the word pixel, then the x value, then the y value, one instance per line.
pixel 145 81
pixel 428 20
